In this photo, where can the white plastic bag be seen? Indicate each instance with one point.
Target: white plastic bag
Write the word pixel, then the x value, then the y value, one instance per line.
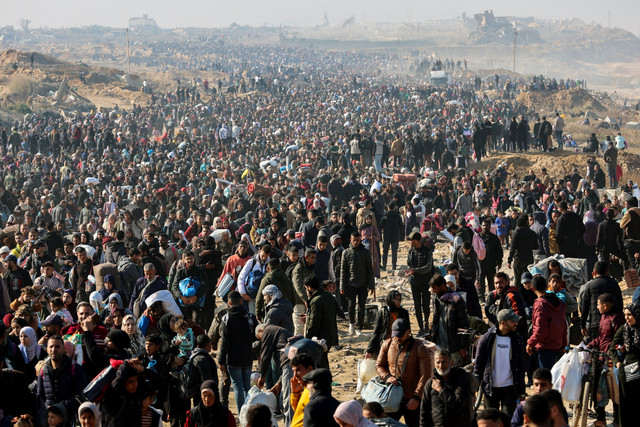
pixel 254 397
pixel 366 371
pixel 567 374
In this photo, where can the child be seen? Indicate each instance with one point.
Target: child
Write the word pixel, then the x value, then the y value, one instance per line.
pixel 109 287
pixel 58 308
pixel 502 230
pixel 56 416
pixel 184 338
pixel 28 296
pixel 610 321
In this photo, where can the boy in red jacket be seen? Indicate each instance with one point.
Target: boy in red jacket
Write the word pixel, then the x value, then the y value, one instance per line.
pixel 610 322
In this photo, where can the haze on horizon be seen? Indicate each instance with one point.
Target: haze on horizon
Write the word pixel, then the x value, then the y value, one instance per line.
pixel 198 13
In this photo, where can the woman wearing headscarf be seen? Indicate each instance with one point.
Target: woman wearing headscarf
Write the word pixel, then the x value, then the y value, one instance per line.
pixel 350 414
pixel 210 412
pixel 370 239
pixel 32 353
pixel 384 320
pixel 69 300
pixel 130 326
pixel 89 415
pixel 166 331
pixel 625 353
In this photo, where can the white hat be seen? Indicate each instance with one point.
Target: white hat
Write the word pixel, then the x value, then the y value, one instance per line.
pixel 4 250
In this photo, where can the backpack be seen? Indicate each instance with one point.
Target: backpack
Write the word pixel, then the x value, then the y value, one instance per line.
pixel 189 385
pixel 478 246
pixel 189 288
pixel 253 282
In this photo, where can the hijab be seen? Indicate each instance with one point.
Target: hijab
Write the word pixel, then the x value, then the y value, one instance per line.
pixel 391 303
pixel 214 415
pixel 631 334
pixel 93 408
pixel 164 328
pixel 33 350
pixel 351 413
pixel 137 339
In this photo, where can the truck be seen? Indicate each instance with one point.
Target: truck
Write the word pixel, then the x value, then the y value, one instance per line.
pixel 440 78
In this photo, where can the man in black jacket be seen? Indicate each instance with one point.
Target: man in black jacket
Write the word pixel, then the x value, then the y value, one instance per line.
pixel 500 363
pixel 450 316
pixel 204 364
pixel 602 283
pixel 236 338
pixel 447 398
pixel 523 243
pixel 569 232
pixel 189 269
pixel 392 228
pixel 492 260
pixel 356 277
pixel 319 411
pixel 420 263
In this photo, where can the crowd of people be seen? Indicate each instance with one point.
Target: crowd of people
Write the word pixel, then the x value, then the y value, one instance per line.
pixel 154 258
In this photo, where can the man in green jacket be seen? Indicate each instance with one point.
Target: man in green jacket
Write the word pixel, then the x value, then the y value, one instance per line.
pixel 302 271
pixel 275 276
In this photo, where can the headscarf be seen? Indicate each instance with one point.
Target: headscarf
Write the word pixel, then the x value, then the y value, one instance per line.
pixel 31 352
pixel 631 334
pixel 211 416
pixel 588 216
pixel 391 303
pixel 164 328
pixel 137 339
pixel 273 291
pixel 120 339
pixel 351 413
pixel 93 408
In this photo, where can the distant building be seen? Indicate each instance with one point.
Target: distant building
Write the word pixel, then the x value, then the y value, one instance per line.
pixel 142 23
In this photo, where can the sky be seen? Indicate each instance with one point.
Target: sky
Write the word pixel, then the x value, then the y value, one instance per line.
pixel 202 13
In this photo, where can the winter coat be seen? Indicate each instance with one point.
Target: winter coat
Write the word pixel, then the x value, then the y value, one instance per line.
pixel 484 364
pixel 129 274
pixel 272 345
pixel 569 232
pixel 453 406
pixel 300 273
pixel 609 237
pixel 511 299
pixel 321 320
pixel 319 411
pixel 469 264
pixel 356 269
pixel 279 312
pixel 609 324
pixel 113 250
pixel 421 260
pixel 205 366
pixel 542 233
pixel 382 328
pixel 236 336
pixel 549 324
pixel 391 226
pixel 494 252
pixel 418 368
pixel 278 278
pixel 61 385
pixel 589 299
pixel 182 273
pixel 451 309
pixel 523 243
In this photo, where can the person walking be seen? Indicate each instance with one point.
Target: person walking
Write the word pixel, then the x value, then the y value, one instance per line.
pixel 492 260
pixel 420 272
pixel 523 243
pixel 356 277
pixel 385 318
pixel 392 228
pixel 500 363
pixel 449 317
pixel 625 354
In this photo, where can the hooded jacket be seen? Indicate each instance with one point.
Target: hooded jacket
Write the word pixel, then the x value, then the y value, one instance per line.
pixel 279 312
pixel 278 278
pixel 113 250
pixel 450 309
pixel 384 319
pixel 542 233
pixel 452 406
pixel 549 324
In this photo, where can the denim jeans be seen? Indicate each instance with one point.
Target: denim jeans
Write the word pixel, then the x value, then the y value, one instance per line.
pixel 241 381
pixel 378 162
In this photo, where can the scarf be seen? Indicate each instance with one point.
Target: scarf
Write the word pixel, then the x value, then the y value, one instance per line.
pixel 351 413
pixel 31 351
pixel 164 328
pixel 631 334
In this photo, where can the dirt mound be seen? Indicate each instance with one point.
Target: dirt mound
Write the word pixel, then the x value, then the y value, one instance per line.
pixel 96 77
pixel 558 163
pixel 573 100
pixel 11 56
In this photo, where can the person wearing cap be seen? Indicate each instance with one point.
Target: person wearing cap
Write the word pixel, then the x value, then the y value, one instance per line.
pixel 420 272
pixel 506 296
pixel 500 363
pixel 322 405
pixel 406 361
pixel 15 278
pixel 52 325
pixel 37 258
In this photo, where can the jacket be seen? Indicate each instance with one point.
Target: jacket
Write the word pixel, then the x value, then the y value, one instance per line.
pixel 569 232
pixel 157 285
pixel 272 345
pixel 382 328
pixel 609 324
pixel 300 273
pixel 356 268
pixel 421 260
pixel 469 264
pixel 589 299
pixel 494 252
pixel 451 309
pixel 609 236
pixel 279 312
pixel 453 406
pixel 281 281
pixel 129 273
pixel 113 250
pixel 548 323
pixel 319 411
pixel 418 370
pixel 630 223
pixel 205 365
pixel 512 299
pixel 484 364
pixel 61 385
pixel 183 273
pixel 391 226
pixel 321 320
pixel 523 243
pixel 236 336
pixel 542 233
